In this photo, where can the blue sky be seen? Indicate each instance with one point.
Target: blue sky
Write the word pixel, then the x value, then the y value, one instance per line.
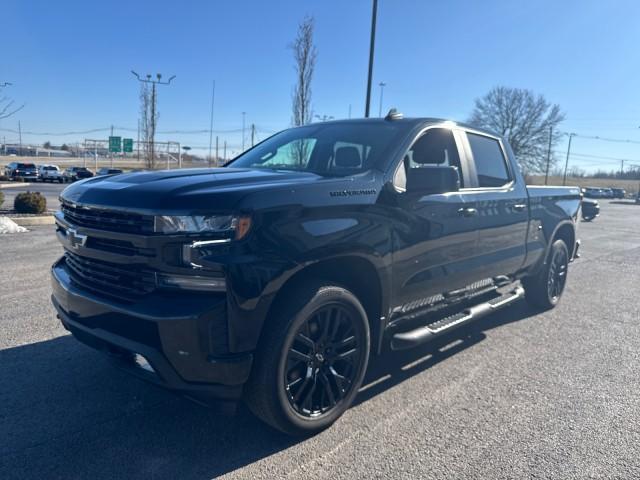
pixel 70 62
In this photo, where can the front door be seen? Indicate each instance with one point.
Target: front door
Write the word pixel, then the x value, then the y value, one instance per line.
pixel 435 236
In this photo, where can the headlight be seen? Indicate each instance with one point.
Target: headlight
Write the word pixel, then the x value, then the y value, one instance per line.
pixel 195 223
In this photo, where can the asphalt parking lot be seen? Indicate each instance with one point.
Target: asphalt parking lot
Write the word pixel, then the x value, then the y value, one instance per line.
pixel 51 191
pixel 518 394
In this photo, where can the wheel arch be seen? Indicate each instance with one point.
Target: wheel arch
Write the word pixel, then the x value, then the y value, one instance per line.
pixel 355 273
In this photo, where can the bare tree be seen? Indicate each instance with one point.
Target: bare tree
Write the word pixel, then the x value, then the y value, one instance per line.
pixel 525 120
pixel 8 106
pixel 148 120
pixel 304 54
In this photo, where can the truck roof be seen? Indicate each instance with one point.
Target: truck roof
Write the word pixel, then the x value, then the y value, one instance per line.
pixel 411 122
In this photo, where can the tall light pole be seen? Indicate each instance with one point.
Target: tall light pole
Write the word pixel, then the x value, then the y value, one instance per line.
pixel 374 14
pixel 382 85
pixel 243 118
pixel 213 97
pixel 566 163
pixel 152 128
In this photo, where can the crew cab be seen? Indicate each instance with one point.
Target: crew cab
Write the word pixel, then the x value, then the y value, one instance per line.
pixel 49 173
pixel 73 174
pixel 274 278
pixel 26 171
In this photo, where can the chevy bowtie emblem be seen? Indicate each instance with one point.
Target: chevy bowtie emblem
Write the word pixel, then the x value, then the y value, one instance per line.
pixel 76 239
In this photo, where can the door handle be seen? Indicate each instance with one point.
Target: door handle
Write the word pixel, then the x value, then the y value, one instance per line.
pixel 519 207
pixel 467 212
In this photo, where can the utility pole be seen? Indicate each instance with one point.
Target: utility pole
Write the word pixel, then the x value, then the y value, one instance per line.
pixel 217 151
pixel 213 96
pixel 152 126
pixel 566 164
pixel 371 47
pixel 110 152
pixel 382 85
pixel 546 173
pixel 224 156
pixel 253 133
pixel 138 143
pixel 20 136
pixel 621 168
pixel 243 117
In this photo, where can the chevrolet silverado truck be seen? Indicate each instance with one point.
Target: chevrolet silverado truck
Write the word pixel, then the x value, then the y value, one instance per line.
pixel 274 278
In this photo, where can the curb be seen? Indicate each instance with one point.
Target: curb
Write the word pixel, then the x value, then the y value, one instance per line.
pixel 32 221
pixel 14 185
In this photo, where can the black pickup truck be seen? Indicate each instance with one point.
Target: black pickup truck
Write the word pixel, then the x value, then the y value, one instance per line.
pixel 274 278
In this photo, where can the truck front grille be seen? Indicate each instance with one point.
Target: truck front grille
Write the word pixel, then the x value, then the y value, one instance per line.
pixel 101 219
pixel 125 282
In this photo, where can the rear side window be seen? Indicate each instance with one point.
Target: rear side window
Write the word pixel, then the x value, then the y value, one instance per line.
pixel 491 166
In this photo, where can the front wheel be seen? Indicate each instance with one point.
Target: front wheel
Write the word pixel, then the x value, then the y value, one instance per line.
pixel 545 289
pixel 310 361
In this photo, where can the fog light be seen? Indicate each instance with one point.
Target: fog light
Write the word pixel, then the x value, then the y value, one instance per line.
pixel 193 282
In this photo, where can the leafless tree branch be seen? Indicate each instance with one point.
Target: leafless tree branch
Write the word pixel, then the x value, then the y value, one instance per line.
pixel 304 54
pixel 525 120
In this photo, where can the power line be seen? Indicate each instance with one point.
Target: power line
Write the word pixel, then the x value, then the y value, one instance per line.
pixel 605 139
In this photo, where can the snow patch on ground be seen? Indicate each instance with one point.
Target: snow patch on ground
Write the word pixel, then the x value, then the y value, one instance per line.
pixel 9 226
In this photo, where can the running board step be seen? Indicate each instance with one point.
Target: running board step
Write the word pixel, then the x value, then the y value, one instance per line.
pixel 420 335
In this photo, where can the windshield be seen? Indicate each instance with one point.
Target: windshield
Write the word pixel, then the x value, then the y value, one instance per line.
pixel 326 149
pixel 25 165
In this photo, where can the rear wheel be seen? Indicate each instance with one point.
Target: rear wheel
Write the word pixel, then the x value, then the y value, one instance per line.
pixel 545 289
pixel 311 360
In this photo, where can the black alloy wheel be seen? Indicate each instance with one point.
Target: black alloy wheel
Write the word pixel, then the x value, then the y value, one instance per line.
pixel 311 359
pixel 322 361
pixel 557 274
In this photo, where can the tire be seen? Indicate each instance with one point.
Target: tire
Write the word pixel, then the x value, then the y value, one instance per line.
pixel 544 289
pixel 310 361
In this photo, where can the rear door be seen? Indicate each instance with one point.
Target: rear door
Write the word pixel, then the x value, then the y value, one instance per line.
pixel 500 197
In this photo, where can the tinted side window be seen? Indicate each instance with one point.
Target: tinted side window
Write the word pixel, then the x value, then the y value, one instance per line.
pixel 436 147
pixel 490 162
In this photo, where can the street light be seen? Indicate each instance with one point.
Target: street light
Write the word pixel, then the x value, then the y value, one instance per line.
pixel 372 43
pixel 382 85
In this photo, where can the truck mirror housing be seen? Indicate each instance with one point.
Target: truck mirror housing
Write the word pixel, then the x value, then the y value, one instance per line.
pixel 433 179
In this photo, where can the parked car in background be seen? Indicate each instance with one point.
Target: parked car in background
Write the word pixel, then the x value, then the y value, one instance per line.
pixel 108 171
pixel 49 173
pixel 619 192
pixel 590 209
pixel 607 193
pixel 15 170
pixel 593 192
pixel 72 174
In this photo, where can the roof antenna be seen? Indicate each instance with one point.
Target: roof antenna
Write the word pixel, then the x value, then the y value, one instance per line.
pixel 394 115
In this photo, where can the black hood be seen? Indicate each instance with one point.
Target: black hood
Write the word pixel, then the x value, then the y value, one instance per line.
pixel 186 190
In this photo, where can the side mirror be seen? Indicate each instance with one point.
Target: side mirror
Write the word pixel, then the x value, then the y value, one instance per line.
pixel 433 180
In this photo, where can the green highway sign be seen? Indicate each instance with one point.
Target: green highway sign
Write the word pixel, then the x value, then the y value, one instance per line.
pixel 115 144
pixel 127 145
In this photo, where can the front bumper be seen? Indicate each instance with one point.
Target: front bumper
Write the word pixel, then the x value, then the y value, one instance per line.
pixel 173 334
